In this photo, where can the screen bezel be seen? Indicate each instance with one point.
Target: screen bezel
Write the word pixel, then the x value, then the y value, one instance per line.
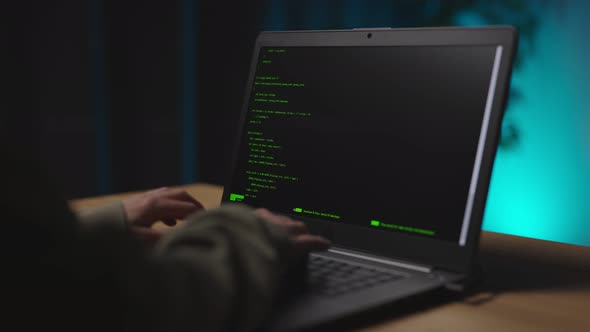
pixel 424 251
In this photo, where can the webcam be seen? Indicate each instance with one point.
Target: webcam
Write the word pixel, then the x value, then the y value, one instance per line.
pixel 370 34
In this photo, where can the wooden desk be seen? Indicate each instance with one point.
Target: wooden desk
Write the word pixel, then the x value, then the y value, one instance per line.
pixel 530 285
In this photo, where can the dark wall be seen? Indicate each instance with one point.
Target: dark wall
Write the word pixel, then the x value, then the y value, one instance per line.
pixel 110 76
pixel 66 127
pixel 142 59
pixel 227 32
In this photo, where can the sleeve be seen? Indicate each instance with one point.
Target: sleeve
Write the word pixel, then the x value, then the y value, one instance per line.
pixel 218 271
pixel 112 214
pixel 233 260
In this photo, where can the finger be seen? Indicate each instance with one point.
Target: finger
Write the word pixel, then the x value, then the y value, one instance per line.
pixel 273 219
pixel 169 221
pixel 182 195
pixel 284 219
pixel 265 214
pixel 288 225
pixel 295 227
pixel 173 209
pixel 155 191
pixel 262 210
pixel 307 242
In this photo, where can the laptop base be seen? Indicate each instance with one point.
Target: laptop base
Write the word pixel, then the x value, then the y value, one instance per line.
pixel 307 309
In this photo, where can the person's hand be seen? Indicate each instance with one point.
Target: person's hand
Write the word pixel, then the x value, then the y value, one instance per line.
pixel 164 204
pixel 302 242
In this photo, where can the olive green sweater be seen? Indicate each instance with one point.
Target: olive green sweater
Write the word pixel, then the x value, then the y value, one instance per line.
pixel 220 268
pixel 218 271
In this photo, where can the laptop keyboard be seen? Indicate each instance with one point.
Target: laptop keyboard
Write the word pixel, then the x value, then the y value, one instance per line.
pixel 332 278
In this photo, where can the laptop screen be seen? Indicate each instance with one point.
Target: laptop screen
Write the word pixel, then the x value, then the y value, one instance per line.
pixel 382 137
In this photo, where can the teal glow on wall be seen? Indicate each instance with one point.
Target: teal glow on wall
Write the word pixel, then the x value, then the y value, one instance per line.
pixel 540 184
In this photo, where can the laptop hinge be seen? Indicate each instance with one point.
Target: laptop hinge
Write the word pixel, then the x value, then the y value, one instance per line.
pixel 382 260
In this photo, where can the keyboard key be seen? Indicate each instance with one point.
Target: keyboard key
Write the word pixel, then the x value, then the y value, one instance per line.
pixel 332 278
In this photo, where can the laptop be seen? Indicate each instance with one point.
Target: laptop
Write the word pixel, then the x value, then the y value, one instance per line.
pixel 381 140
